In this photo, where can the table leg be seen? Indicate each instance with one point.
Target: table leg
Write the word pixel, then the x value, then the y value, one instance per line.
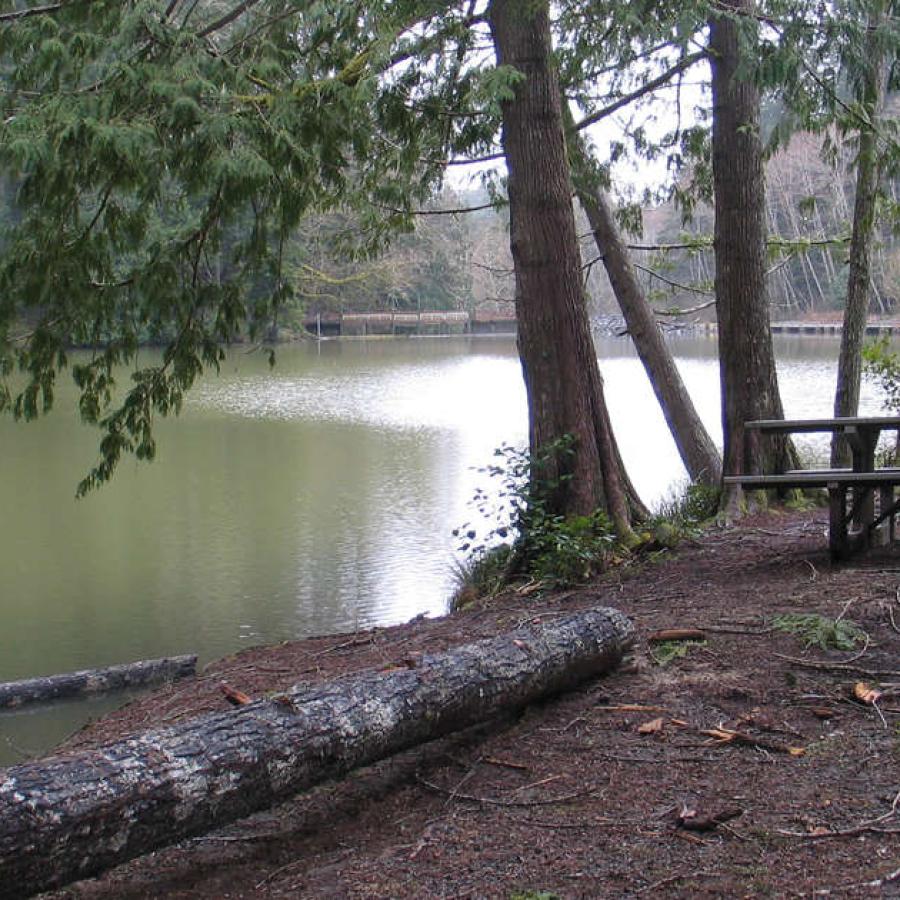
pixel 838 542
pixel 886 502
pixel 863 441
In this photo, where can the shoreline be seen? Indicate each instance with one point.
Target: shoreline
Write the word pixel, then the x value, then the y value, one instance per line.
pixel 474 815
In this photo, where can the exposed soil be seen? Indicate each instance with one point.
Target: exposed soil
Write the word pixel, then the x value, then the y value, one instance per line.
pixel 805 803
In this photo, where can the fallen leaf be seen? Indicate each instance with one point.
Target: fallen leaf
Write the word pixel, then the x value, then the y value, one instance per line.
pixel 796 751
pixel 654 726
pixel 822 712
pixel 866 694
pixel 234 696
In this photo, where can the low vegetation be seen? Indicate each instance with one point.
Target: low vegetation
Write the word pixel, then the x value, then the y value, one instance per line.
pixel 528 546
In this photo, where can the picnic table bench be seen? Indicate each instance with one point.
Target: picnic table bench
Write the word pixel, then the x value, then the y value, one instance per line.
pixel 854 521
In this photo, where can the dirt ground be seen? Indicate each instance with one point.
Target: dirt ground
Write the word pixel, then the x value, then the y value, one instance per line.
pixel 635 785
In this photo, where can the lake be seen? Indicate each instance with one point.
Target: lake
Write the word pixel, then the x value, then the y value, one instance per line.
pixel 315 497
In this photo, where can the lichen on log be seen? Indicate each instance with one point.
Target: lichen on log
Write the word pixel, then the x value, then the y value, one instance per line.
pixel 94 681
pixel 68 817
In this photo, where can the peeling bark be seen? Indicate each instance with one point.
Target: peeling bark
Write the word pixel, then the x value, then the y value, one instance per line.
pixel 95 681
pixel 68 817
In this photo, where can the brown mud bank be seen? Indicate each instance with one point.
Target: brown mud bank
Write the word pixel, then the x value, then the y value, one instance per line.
pixel 743 764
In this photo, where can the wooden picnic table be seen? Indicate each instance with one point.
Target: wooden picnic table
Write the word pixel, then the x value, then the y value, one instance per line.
pixel 859 482
pixel 861 432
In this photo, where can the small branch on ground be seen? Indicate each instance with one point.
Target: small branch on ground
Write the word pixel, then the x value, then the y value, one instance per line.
pixel 870 825
pixel 838 667
pixel 491 801
pixel 672 879
pixel 676 634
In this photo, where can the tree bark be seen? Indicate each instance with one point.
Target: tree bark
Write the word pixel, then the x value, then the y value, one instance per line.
pixel 746 356
pixel 697 450
pixel 849 376
pixel 68 817
pixel 95 681
pixel 559 360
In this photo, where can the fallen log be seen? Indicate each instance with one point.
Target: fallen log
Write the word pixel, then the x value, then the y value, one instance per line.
pixel 67 817
pixel 95 681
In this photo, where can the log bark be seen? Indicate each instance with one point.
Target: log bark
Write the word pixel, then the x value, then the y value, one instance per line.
pixel 68 817
pixel 95 681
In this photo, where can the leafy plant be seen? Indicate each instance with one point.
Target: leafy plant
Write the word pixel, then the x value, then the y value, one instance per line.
pixel 668 651
pixel 881 365
pixel 481 575
pixel 555 550
pixel 681 513
pixel 820 631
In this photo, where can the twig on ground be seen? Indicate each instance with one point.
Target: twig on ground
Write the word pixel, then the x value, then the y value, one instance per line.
pixel 726 630
pixel 732 736
pixel 683 876
pixel 676 634
pixel 890 610
pixel 353 642
pixel 813 569
pixel 838 667
pixel 291 865
pixel 505 763
pixel 491 801
pixel 535 784
pixel 870 825
pixel 875 883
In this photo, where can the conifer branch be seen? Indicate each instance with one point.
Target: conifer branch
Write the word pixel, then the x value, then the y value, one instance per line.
pixel 229 17
pixel 682 65
pixel 674 284
pixel 31 11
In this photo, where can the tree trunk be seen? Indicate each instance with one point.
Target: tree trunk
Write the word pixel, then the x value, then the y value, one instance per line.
pixel 69 817
pixel 559 361
pixel 746 356
pixel 698 452
pixel 846 398
pixel 95 681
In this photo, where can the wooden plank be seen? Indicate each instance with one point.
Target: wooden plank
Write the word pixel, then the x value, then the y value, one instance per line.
pixel 823 478
pixel 787 426
pixel 95 681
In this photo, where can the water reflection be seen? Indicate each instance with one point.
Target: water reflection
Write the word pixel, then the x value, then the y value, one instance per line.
pixel 315 497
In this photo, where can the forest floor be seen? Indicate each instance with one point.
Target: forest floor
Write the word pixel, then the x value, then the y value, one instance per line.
pixel 744 765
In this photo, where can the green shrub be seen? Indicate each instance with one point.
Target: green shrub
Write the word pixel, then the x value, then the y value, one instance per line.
pixel 556 551
pixel 824 633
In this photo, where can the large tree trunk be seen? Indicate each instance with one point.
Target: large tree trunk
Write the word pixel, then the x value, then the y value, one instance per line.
pixel 559 361
pixel 95 681
pixel 746 355
pixel 697 450
pixel 68 817
pixel 846 398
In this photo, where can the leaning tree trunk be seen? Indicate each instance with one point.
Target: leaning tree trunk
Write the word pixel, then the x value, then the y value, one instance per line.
pixel 697 450
pixel 68 817
pixel 559 361
pixel 846 398
pixel 746 355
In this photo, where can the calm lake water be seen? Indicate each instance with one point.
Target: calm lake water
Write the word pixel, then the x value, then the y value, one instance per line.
pixel 316 497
